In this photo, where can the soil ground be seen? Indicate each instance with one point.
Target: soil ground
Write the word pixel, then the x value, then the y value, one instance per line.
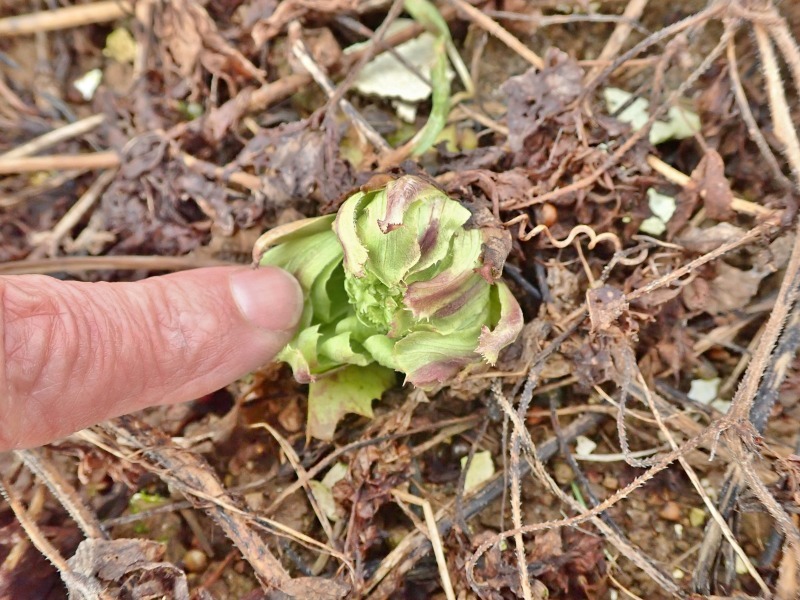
pixel 208 127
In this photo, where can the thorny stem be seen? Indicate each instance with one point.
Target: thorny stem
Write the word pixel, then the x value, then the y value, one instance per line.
pixel 537 467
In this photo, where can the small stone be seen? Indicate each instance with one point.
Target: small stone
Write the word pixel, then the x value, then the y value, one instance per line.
pixel 195 561
pixel 671 511
pixel 563 473
pixel 610 482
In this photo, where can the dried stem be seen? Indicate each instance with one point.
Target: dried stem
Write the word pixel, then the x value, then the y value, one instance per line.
pixel 50 139
pixel 494 28
pixel 65 18
pixel 59 162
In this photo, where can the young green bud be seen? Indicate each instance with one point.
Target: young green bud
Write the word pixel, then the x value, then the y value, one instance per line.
pixel 396 278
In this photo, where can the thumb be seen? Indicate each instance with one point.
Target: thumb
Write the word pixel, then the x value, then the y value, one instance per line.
pixel 74 354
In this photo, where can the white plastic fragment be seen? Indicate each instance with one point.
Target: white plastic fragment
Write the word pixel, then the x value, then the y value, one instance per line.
pixel 387 77
pixel 480 470
pixel 88 83
pixel 680 123
pixel 704 391
pixel 584 446
pixel 662 207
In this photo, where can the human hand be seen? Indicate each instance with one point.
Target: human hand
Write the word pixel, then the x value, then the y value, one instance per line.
pixel 74 354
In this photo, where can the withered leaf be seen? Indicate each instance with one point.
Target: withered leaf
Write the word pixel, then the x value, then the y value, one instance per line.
pixel 535 95
pixel 292 10
pixel 606 304
pixel 731 289
pixel 713 186
pixel 193 39
pixel 702 241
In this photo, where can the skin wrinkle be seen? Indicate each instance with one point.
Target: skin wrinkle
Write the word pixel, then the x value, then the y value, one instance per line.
pixel 64 328
pixel 184 330
pixel 6 410
pixel 76 353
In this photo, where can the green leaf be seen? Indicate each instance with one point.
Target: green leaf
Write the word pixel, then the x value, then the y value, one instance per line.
pixel 301 354
pixel 391 254
pixel 449 290
pixel 381 348
pixel 438 220
pixel 440 107
pixel 507 326
pixel 306 258
pixel 400 195
pixel 295 230
pixel 394 280
pixel 429 358
pixel 350 390
pixel 426 14
pixel 340 350
pixel 355 254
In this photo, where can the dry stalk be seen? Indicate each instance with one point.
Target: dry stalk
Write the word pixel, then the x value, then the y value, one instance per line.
pixel 689 267
pixel 700 18
pixel 331 458
pixel 413 547
pixel 302 475
pixel 747 115
pixel 84 587
pixel 50 139
pixel 192 476
pixel 632 13
pixel 494 28
pixel 516 490
pixel 65 18
pixel 432 534
pixel 633 139
pixel 690 473
pixel 738 204
pixel 709 433
pixel 302 54
pixel 63 491
pixel 537 467
pixel 376 42
pixel 59 162
pixel 49 241
pixel 781 116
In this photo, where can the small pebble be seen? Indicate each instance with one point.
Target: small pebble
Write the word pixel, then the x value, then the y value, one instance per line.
pixel 549 214
pixel 195 561
pixel 671 511
pixel 563 473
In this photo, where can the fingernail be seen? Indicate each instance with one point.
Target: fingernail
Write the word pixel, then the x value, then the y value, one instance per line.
pixel 268 297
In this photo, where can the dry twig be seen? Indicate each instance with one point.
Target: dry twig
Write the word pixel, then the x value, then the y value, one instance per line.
pixel 65 17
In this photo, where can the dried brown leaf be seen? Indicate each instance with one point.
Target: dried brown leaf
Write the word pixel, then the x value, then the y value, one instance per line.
pixel 536 95
pixel 731 289
pixel 713 186
pixel 703 241
pixel 293 10
pixel 113 560
pixel 192 39
pixel 606 304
